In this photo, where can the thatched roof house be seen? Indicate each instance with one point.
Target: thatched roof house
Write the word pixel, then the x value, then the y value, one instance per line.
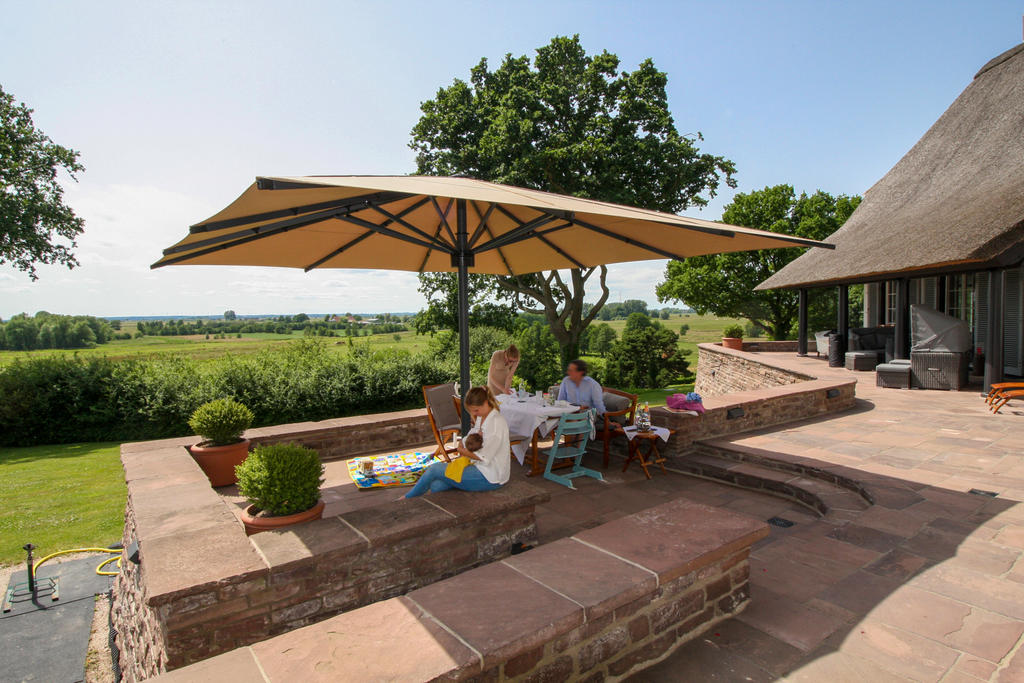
pixel 945 226
pixel 954 202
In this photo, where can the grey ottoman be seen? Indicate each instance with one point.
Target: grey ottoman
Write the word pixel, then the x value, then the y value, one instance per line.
pixel 861 360
pixel 893 375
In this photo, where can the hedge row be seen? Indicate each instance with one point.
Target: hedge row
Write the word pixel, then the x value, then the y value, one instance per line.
pixel 69 399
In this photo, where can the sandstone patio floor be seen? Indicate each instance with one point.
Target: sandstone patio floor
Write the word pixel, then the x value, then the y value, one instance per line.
pixel 925 585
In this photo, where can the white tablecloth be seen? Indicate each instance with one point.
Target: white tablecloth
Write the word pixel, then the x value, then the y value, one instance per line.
pixel 661 432
pixel 529 415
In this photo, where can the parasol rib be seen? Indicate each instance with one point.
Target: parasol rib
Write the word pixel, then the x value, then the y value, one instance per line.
pixel 382 229
pixel 340 250
pixel 368 199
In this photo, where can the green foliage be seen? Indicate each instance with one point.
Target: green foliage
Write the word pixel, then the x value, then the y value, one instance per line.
pixel 49 331
pixel 735 331
pixel 571 123
pixel 229 315
pixel 723 284
pixel 281 479
pixel 647 356
pixel 63 399
pixel 483 342
pixel 221 422
pixel 33 215
pixel 540 361
pixel 598 339
pixel 683 329
pixel 490 305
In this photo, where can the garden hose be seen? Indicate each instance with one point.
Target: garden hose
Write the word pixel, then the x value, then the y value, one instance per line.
pixel 99 569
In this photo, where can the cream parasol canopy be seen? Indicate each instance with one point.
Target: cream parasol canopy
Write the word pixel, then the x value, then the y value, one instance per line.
pixel 445 224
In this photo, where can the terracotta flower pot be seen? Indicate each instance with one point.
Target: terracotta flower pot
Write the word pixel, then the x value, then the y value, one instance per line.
pixel 254 525
pixel 218 462
pixel 733 343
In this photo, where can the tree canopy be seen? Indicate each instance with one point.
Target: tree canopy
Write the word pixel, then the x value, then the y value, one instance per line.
pixel 33 216
pixel 723 284
pixel 571 123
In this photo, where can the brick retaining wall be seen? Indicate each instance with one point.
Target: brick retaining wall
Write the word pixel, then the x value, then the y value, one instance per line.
pixel 757 394
pixel 598 606
pixel 203 587
pixel 723 371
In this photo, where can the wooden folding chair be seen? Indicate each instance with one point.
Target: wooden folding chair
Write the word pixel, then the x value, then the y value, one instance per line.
pixel 1001 387
pixel 605 432
pixel 1005 397
pixel 444 421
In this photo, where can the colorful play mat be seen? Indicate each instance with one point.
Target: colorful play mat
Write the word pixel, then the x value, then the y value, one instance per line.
pixel 394 469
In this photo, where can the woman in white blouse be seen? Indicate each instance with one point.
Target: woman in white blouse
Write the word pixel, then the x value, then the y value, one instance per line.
pixel 490 468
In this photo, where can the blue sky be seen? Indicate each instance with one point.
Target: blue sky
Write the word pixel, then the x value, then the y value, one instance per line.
pixel 176 107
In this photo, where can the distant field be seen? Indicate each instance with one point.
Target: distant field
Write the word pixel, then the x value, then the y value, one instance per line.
pixel 702 329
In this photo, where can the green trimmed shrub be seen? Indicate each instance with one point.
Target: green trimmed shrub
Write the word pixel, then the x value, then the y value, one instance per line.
pixel 281 479
pixel 221 422
pixel 735 331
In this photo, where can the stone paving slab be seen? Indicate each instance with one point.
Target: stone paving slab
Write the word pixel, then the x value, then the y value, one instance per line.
pixel 391 640
pixel 935 591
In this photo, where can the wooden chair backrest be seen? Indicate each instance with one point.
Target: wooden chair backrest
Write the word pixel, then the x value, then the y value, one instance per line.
pixel 631 411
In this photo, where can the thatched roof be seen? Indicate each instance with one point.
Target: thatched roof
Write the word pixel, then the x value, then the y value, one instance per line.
pixel 954 202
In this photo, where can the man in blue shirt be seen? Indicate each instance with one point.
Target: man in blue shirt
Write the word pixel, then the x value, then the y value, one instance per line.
pixel 580 389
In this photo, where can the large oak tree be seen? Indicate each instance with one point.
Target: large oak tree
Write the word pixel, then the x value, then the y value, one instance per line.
pixel 571 123
pixel 36 226
pixel 723 284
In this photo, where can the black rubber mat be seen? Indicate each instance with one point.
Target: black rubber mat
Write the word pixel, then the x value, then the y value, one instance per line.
pixel 46 640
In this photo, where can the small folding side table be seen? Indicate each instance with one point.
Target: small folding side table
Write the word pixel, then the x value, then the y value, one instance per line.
pixel 643 447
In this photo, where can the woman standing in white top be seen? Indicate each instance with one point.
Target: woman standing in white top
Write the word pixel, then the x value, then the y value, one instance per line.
pixel 490 468
pixel 503 366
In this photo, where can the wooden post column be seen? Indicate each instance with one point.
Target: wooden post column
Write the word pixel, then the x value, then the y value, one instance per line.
pixel 994 338
pixel 843 317
pixel 901 343
pixel 801 335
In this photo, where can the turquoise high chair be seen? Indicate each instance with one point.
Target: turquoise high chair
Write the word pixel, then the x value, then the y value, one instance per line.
pixel 569 425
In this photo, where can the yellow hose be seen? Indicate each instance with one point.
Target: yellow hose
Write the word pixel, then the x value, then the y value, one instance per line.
pixel 86 550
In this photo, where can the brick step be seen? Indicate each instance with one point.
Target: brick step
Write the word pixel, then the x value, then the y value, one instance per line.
pixel 839 475
pixel 825 497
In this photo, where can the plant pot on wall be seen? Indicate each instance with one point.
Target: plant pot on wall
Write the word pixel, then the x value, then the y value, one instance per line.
pixel 218 462
pixel 254 523
pixel 732 337
pixel 282 484
pixel 221 424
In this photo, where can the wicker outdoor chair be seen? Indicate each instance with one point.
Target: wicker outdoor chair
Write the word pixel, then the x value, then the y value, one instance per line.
pixel 938 370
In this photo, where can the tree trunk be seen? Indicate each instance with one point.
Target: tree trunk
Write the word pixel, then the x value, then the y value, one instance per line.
pixel 559 303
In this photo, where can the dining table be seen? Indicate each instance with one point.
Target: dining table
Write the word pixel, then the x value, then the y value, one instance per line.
pixel 532 417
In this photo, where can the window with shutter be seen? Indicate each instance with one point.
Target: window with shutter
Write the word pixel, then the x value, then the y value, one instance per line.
pixel 1013 323
pixel 930 285
pixel 980 309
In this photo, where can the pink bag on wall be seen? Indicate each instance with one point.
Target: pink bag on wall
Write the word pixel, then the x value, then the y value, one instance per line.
pixel 681 402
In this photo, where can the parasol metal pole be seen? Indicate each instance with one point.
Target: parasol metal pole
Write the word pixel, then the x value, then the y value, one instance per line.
pixel 464 259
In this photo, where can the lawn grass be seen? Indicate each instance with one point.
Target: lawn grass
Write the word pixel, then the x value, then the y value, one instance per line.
pixel 59 498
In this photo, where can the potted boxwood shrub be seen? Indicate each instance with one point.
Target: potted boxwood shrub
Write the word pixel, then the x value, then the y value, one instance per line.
pixel 220 423
pixel 732 337
pixel 282 484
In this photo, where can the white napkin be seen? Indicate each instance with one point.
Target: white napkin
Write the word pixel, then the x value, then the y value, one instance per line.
pixel 661 432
